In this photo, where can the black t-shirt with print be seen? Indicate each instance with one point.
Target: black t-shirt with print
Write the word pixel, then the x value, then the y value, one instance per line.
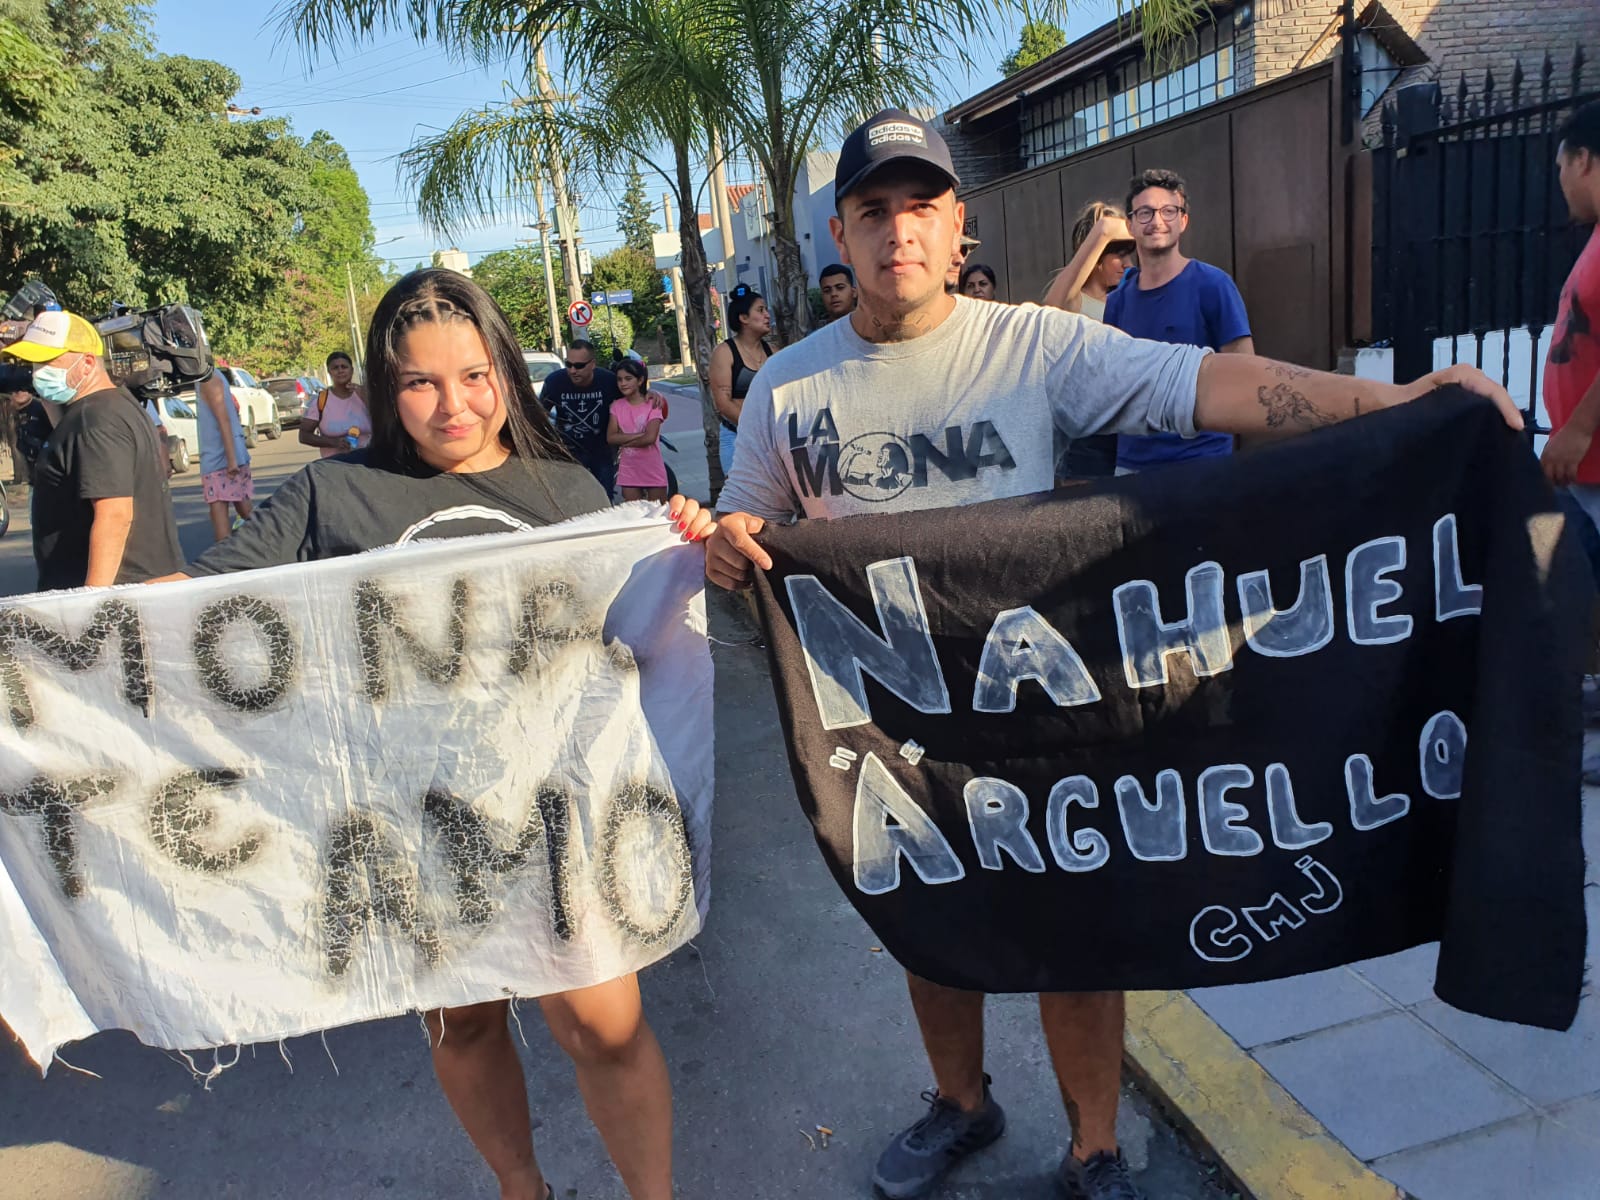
pixel 342 505
pixel 103 447
pixel 581 414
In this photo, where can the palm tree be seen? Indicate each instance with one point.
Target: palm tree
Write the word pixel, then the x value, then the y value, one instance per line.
pixel 792 71
pixel 768 77
pixel 641 103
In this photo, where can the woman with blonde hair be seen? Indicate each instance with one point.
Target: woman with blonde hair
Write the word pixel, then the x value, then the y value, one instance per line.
pixel 1102 246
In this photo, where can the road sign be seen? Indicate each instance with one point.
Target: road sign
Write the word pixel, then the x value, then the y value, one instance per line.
pixel 579 313
pixel 668 249
pixel 619 297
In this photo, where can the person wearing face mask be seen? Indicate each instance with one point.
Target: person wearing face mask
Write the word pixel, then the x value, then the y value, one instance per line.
pixel 102 513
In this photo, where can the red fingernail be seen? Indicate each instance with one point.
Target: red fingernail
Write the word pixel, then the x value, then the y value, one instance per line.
pixel 681 525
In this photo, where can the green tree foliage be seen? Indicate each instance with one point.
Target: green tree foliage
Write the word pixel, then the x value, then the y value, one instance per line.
pixel 635 271
pixel 121 179
pixel 634 215
pixel 610 331
pixel 515 278
pixel 1039 40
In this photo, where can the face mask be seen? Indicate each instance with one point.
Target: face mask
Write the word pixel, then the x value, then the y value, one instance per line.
pixel 51 384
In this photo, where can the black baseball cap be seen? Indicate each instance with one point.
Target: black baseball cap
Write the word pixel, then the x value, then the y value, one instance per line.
pixel 890 136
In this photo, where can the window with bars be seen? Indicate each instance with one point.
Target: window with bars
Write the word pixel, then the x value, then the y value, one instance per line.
pixel 1130 96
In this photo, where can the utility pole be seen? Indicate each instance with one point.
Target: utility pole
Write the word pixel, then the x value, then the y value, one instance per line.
pixel 549 270
pixel 355 323
pixel 685 351
pixel 566 211
pixel 719 206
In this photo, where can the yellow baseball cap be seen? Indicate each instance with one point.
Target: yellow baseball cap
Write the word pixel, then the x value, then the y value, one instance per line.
pixel 53 334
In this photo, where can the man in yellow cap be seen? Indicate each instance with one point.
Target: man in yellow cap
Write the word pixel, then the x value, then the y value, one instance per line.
pixel 102 513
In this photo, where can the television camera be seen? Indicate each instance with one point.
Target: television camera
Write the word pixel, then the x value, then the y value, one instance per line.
pixel 149 352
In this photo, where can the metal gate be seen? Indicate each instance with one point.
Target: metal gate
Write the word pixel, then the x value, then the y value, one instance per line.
pixel 1471 237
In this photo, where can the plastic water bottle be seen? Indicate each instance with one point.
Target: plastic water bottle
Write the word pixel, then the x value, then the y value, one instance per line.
pixel 352 437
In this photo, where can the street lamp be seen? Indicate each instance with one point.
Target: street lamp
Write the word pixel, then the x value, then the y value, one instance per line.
pixel 355 321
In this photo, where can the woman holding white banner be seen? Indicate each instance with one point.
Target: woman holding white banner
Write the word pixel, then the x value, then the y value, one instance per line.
pixel 461 446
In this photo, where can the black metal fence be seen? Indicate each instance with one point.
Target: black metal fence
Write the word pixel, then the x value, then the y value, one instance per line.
pixel 1471 237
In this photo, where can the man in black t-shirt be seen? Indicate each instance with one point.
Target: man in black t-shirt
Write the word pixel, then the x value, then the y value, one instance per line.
pixel 102 513
pixel 579 399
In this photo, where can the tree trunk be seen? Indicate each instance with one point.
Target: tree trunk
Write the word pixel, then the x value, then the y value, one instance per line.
pixel 697 312
pixel 791 303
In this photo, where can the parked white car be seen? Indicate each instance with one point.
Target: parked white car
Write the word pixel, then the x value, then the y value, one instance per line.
pixel 540 364
pixel 258 411
pixel 183 429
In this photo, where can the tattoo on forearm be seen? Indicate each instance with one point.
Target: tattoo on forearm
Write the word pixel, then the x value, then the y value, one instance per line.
pixel 1288 371
pixel 1285 406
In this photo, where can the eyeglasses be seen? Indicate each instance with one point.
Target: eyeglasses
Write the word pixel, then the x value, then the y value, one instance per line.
pixel 1169 213
pixel 578 366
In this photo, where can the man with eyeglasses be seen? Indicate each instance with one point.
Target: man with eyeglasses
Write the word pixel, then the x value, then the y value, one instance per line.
pixel 1170 298
pixel 579 398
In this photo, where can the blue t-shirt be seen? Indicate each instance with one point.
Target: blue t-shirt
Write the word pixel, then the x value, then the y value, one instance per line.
pixel 213 455
pixel 1200 307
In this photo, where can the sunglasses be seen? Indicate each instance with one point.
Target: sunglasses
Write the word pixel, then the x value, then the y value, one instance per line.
pixel 578 366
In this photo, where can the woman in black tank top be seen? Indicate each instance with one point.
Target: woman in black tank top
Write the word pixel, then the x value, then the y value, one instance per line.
pixel 735 362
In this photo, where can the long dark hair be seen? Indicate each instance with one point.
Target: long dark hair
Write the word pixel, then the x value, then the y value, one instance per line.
pixel 976 268
pixel 740 303
pixel 435 295
pixel 638 370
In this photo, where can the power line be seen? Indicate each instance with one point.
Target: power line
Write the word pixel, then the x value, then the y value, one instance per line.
pixel 370 95
pixel 336 62
pixel 288 93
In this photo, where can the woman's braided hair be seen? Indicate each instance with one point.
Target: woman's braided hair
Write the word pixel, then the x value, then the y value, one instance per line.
pixel 434 296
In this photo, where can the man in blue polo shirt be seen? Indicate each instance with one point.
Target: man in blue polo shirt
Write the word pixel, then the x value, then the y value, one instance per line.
pixel 1170 298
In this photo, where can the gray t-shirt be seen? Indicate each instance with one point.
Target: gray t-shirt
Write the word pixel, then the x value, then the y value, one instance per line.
pixel 836 425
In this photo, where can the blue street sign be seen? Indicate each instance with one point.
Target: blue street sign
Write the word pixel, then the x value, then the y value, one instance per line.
pixel 620 297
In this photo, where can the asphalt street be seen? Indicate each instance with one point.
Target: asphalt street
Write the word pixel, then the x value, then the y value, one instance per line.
pixel 781 1017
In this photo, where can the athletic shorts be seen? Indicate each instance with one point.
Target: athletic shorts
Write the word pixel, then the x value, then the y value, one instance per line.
pixel 220 487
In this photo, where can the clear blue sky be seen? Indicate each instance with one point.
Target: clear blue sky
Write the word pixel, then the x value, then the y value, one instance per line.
pixel 375 97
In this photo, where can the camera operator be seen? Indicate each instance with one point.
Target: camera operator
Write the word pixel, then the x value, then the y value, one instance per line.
pixel 18 414
pixel 102 513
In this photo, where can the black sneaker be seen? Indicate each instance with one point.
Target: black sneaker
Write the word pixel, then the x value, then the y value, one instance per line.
pixel 1104 1177
pixel 918 1157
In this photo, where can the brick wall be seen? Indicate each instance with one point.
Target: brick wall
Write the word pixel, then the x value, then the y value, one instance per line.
pixel 981 158
pixel 1456 35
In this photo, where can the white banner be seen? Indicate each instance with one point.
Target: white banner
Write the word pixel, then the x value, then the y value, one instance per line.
pixel 243 808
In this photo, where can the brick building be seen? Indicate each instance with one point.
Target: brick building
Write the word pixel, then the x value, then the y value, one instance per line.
pixel 1104 86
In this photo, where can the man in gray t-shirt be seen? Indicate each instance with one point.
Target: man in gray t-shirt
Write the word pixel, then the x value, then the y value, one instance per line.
pixel 924 400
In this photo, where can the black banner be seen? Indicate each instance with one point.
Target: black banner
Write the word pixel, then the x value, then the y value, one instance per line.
pixel 1231 721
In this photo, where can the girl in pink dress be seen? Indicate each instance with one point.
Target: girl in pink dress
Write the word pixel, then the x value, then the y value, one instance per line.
pixel 636 427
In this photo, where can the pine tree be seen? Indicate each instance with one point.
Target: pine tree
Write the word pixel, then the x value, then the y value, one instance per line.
pixel 633 215
pixel 1040 39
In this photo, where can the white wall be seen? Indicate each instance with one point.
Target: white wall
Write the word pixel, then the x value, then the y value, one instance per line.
pixel 1524 371
pixel 813 205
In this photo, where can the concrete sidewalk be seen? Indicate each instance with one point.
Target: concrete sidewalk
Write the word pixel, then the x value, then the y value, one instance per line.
pixel 1447 1105
pixel 1364 1071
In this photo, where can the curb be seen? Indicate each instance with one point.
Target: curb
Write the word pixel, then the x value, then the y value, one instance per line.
pixel 1267 1144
